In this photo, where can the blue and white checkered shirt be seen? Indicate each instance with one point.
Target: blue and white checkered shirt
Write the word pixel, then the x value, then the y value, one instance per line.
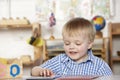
pixel 63 65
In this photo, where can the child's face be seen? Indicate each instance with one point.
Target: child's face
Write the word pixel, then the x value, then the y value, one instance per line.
pixel 76 47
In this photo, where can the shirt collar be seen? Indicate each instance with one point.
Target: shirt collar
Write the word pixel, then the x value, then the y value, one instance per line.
pixel 65 59
pixel 90 56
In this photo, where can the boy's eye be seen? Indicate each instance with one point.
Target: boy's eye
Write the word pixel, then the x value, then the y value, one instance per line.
pixel 78 43
pixel 66 43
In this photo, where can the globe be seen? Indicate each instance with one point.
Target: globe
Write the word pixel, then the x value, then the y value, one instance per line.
pixel 99 22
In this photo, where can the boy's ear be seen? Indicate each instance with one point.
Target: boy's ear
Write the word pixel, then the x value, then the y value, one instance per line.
pixel 90 45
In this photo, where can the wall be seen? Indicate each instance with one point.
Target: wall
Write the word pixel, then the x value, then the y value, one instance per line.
pixel 116 17
pixel 13 42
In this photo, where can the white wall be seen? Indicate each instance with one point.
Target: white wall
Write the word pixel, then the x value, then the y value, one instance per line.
pixel 13 42
pixel 116 18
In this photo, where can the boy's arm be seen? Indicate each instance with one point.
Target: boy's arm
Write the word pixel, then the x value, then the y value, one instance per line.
pixel 105 70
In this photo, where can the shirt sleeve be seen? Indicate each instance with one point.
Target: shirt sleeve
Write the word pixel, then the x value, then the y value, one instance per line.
pixel 53 64
pixel 104 70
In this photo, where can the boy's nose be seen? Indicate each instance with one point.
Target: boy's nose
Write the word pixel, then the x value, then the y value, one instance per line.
pixel 71 46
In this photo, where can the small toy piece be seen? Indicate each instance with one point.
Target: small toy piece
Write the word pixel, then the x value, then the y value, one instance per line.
pixel 52 20
pixel 10 70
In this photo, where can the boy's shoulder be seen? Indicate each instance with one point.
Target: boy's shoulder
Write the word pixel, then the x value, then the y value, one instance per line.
pixel 99 60
pixel 94 58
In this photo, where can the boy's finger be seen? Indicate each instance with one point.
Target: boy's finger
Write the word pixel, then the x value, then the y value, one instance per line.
pixel 51 74
pixel 45 73
pixel 41 73
pixel 48 72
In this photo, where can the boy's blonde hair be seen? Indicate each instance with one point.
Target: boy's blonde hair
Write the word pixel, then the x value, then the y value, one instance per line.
pixel 79 26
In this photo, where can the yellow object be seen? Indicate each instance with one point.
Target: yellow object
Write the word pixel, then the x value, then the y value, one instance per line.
pixel 38 42
pixel 99 21
pixel 52 37
pixel 3 60
pixel 3 66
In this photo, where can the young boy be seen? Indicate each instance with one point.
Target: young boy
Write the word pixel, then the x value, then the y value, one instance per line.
pixel 78 36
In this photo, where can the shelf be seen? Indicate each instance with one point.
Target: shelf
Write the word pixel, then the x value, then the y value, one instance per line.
pixel 116 33
pixel 98 49
pixel 116 58
pixel 16 26
pixel 114 29
pixel 53 54
pixel 55 49
pixel 97 53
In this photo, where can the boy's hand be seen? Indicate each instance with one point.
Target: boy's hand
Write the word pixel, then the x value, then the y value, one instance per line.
pixel 37 71
pixel 45 72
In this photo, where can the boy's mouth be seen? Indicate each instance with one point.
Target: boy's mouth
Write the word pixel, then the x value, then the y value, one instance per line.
pixel 72 53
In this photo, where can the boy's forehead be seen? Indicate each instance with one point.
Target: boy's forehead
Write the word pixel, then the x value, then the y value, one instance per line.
pixel 75 37
pixel 75 34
